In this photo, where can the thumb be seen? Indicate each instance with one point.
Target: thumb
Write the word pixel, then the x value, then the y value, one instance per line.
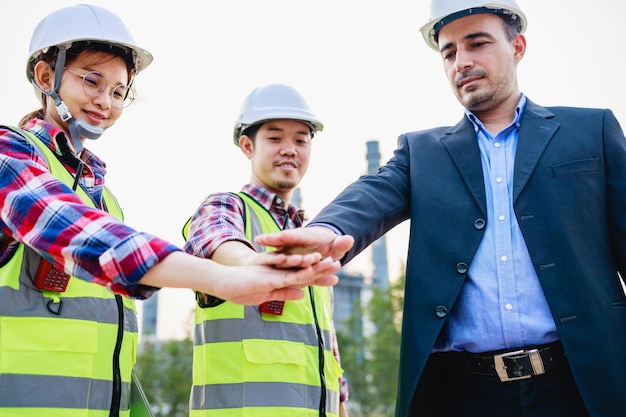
pixel 341 245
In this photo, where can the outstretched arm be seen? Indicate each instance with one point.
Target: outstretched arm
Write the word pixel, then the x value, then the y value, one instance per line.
pixel 253 284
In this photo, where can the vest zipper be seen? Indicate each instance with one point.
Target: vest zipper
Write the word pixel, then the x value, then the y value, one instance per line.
pixel 117 378
pixel 116 396
pixel 322 405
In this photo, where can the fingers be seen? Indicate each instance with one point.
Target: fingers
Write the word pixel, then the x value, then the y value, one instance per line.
pixel 284 294
pixel 322 273
pixel 326 266
pixel 255 284
pixel 256 297
pixel 291 293
pixel 299 240
pixel 309 239
pixel 278 240
pixel 326 281
pixel 288 260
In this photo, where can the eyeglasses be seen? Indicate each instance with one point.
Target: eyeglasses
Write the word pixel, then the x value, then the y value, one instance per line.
pixel 94 84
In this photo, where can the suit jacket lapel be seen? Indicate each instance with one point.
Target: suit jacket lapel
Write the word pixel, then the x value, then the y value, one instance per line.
pixel 535 133
pixel 462 145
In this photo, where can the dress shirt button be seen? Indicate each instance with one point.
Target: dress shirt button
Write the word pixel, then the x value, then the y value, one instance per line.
pixel 508 307
pixel 504 258
pixel 461 268
pixel 501 217
pixel 479 224
pixel 496 144
pixel 441 312
pixel 499 180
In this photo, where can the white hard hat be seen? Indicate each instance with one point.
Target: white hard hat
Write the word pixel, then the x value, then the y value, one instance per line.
pixel 271 102
pixel 83 22
pixel 443 12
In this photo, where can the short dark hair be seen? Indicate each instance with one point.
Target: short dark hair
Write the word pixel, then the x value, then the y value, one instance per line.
pixel 251 131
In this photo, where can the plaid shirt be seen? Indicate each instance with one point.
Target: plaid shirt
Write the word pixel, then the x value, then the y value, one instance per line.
pixel 220 218
pixel 41 212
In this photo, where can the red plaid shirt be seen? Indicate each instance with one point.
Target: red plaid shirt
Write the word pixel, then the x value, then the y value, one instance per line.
pixel 38 210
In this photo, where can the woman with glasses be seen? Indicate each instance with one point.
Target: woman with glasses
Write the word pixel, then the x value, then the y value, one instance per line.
pixel 69 266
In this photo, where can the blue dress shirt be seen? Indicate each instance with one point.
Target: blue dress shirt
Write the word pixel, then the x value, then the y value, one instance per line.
pixel 501 304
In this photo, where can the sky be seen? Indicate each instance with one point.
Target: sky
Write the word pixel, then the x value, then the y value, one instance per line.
pixel 362 65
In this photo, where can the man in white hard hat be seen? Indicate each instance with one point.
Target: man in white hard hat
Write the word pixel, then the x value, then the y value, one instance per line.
pixel 277 358
pixel 514 303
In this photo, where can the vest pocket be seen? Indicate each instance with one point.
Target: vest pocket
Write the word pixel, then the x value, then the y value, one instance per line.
pixel 334 372
pixel 267 360
pixel 45 346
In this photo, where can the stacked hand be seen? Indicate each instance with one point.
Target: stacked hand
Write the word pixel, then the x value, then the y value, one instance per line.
pixel 307 240
pixel 276 277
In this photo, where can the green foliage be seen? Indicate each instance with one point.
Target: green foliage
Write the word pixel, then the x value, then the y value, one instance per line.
pixel 371 358
pixel 164 370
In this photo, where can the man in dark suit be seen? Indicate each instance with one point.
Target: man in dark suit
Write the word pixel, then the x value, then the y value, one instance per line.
pixel 514 301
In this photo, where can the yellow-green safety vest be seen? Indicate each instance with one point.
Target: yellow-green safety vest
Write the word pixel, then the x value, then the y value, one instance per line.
pixel 66 354
pixel 247 363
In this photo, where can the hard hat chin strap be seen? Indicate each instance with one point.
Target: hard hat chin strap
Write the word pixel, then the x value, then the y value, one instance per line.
pixel 78 127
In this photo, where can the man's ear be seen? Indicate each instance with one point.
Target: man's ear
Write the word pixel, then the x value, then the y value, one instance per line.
pixel 246 145
pixel 519 45
pixel 44 75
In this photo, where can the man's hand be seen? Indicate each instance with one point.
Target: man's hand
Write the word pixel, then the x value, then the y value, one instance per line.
pixel 236 253
pixel 308 239
pixel 256 284
pixel 248 284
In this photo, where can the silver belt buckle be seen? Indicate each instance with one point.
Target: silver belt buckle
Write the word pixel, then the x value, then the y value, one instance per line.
pixel 535 362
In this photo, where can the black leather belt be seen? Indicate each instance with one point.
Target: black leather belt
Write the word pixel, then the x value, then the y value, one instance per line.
pixel 517 364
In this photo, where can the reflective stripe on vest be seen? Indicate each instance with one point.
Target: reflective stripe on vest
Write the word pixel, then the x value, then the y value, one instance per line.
pixel 254 364
pixel 61 365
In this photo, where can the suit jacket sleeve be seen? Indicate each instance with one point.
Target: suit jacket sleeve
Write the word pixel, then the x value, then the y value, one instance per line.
pixel 373 204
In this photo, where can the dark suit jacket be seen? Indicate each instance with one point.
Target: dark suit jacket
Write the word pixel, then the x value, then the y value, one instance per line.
pixel 570 202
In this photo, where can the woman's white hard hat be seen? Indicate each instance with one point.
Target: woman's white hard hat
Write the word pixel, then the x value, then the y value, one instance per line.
pixel 443 12
pixel 83 22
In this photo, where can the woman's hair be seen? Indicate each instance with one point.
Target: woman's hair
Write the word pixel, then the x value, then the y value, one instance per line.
pixel 77 48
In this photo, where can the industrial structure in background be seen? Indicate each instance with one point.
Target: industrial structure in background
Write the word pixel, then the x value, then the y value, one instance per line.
pixel 351 291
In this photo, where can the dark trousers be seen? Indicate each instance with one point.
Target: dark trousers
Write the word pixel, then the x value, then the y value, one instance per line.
pixel 448 390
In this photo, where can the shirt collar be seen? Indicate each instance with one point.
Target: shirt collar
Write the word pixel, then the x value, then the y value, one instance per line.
pixel 519 110
pixel 52 136
pixel 271 201
pixel 58 142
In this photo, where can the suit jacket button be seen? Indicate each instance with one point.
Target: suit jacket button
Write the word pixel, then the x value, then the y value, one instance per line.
pixel 441 312
pixel 461 268
pixel 479 224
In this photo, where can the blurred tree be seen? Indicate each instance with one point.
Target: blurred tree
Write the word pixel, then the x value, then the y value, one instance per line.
pixel 371 358
pixel 164 370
